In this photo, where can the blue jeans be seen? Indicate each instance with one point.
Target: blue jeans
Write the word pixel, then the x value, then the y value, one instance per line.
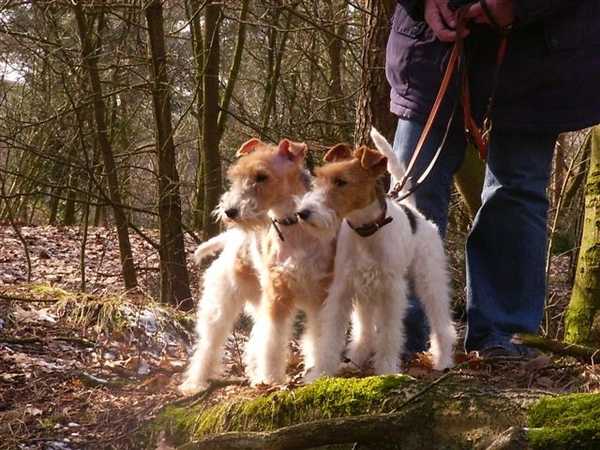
pixel 506 246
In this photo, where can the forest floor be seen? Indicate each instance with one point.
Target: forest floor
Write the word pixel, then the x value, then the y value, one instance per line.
pixel 87 370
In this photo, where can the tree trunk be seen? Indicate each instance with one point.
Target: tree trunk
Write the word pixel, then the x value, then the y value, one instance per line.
pixel 372 105
pixel 194 19
pixel 333 28
pixel 278 35
pixel 91 48
pixel 234 70
pixel 210 114
pixel 560 168
pixel 174 278
pixel 199 217
pixel 583 314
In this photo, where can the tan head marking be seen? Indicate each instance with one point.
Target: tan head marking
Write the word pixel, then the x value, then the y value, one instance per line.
pixel 338 152
pixel 371 160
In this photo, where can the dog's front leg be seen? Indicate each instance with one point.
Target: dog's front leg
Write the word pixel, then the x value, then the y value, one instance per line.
pixel 311 340
pixel 362 336
pixel 218 309
pixel 390 338
pixel 333 324
pixel 271 334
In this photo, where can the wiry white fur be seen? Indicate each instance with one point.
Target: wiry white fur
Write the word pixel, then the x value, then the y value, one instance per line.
pixel 216 243
pixel 325 224
pixel 224 295
pixel 278 276
pixel 241 196
pixel 394 165
pixel 370 283
pixel 303 262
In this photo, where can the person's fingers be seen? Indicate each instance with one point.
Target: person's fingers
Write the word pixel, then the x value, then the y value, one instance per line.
pixel 475 13
pixel 447 14
pixel 441 20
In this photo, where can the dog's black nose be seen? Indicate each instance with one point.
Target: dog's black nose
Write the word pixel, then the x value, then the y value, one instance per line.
pixel 303 214
pixel 231 213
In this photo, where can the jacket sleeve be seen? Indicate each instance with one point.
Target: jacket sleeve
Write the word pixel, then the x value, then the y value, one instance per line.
pixel 532 10
pixel 414 8
pixel 527 10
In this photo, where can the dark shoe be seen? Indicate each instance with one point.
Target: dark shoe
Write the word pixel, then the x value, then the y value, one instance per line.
pixel 499 352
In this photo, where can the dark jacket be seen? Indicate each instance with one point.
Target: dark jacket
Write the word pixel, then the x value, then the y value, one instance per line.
pixel 549 79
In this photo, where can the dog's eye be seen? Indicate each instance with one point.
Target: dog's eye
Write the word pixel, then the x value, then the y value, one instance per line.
pixel 339 182
pixel 261 177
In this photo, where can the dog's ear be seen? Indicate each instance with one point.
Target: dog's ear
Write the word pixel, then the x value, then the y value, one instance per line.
pixel 248 146
pixel 292 150
pixel 338 152
pixel 371 160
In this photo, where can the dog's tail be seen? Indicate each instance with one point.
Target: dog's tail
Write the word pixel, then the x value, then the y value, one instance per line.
pixel 213 245
pixel 394 166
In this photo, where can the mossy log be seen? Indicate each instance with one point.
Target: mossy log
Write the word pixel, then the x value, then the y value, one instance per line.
pixel 391 412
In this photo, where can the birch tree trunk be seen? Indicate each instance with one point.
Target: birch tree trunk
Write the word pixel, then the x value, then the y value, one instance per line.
pixel 582 322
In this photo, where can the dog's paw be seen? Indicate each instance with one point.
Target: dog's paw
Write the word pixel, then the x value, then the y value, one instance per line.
pixel 261 382
pixel 190 387
pixel 443 363
pixel 310 376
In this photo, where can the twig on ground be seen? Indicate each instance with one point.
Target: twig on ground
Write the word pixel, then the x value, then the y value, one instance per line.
pixel 581 352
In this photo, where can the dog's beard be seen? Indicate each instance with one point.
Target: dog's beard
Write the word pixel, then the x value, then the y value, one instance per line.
pixel 321 221
pixel 326 233
pixel 248 214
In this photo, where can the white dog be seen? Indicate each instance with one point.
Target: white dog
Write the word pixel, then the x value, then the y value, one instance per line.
pixel 379 243
pixel 269 263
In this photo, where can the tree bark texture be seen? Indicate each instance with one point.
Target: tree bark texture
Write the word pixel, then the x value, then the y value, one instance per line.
pixel 583 313
pixel 373 102
pixel 91 48
pixel 278 35
pixel 589 355
pixel 197 43
pixel 334 34
pixel 210 113
pixel 236 63
pixel 174 278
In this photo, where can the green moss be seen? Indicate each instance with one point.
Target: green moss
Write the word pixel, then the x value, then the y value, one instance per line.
pixel 566 422
pixel 173 421
pixel 51 290
pixel 323 399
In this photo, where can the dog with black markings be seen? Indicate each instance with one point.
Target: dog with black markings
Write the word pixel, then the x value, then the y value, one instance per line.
pixel 379 243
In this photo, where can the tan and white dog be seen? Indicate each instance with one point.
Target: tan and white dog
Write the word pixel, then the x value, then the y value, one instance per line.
pixel 379 243
pixel 268 262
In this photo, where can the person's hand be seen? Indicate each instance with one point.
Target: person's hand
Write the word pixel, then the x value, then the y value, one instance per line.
pixel 441 19
pixel 502 11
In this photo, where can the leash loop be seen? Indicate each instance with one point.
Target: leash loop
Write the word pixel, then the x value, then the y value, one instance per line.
pixel 474 134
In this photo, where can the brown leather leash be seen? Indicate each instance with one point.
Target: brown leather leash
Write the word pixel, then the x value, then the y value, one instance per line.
pixel 476 136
